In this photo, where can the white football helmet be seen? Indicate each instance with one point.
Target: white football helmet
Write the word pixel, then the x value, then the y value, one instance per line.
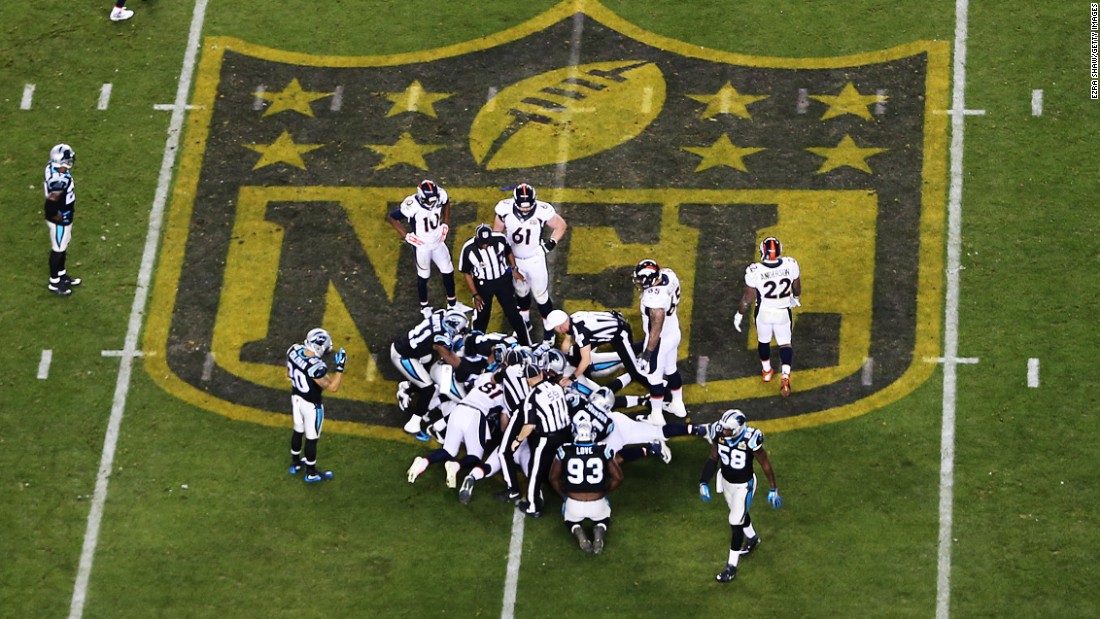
pixel 319 341
pixel 455 322
pixel 554 362
pixel 602 400
pixel 582 429
pixel 62 156
pixel 732 423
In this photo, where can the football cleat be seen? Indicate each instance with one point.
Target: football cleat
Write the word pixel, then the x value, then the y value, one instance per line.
pixel 71 281
pixel 660 449
pixel 727 574
pixel 767 375
pixel 466 490
pixel 412 426
pixel 296 468
pixel 598 535
pixel 316 476
pixel 528 509
pixel 426 311
pixel 582 538
pixel 750 545
pixel 419 465
pixel 655 418
pixel 676 407
pixel 785 386
pixel 59 288
pixel 452 469
pixel 507 495
pixel 700 429
pixel 120 13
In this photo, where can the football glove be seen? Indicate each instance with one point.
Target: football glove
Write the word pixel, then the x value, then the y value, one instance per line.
pixel 412 239
pixel 548 245
pixel 774 499
pixel 341 359
pixel 644 360
pixel 704 493
pixel 444 229
pixel 737 318
pixel 795 302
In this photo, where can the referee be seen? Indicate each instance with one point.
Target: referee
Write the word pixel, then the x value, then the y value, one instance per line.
pixel 583 331
pixel 545 418
pixel 487 262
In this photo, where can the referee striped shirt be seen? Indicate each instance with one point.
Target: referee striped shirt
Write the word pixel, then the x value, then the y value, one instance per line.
pixel 547 408
pixel 485 263
pixel 595 328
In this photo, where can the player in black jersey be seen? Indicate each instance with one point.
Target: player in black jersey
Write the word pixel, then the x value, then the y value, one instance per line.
pixel 437 336
pixel 736 445
pixel 60 210
pixel 309 378
pixel 583 473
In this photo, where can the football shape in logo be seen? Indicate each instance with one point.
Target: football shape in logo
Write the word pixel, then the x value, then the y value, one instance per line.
pixel 567 114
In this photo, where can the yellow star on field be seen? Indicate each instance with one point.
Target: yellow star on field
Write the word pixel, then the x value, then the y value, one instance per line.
pixel 283 150
pixel 292 98
pixel 405 150
pixel 846 153
pixel 415 99
pixel 727 101
pixel 849 101
pixel 722 152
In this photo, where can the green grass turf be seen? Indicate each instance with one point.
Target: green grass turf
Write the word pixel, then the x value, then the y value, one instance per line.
pixel 857 535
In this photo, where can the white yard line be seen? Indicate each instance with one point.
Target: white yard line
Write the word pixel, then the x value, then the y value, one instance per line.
pixel 951 315
pixel 1033 373
pixel 515 549
pixel 515 555
pixel 104 96
pixel 28 97
pixel 44 364
pixel 137 312
pixel 1037 102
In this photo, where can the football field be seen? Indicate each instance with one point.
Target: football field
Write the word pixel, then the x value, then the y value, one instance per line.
pixel 928 164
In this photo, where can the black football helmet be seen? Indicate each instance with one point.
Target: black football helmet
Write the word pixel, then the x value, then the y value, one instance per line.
pixel 770 249
pixel 427 194
pixel 646 273
pixel 523 197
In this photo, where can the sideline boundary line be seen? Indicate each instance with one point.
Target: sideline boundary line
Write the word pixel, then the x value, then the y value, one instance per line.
pixel 137 313
pixel 951 315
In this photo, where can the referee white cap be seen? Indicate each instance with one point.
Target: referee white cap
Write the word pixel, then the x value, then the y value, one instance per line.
pixel 555 319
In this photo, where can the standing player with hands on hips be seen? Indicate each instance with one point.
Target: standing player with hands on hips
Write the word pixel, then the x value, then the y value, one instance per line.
pixel 522 218
pixel 428 211
pixel 775 284
pixel 735 446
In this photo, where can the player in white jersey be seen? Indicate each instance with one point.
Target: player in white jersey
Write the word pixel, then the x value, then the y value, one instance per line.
pixel 774 284
pixel 428 212
pixel 660 350
pixel 467 425
pixel 522 218
pixel 60 211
